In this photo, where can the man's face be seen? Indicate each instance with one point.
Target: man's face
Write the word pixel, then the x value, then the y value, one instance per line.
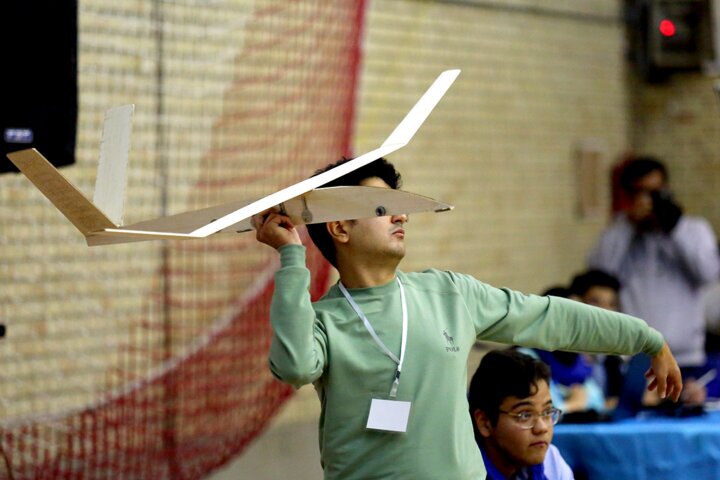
pixel 377 238
pixel 641 207
pixel 603 297
pixel 517 446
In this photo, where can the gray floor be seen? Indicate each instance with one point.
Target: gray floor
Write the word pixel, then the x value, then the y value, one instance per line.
pixel 284 452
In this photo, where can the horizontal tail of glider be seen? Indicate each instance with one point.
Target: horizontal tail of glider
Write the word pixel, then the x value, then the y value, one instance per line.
pixel 64 195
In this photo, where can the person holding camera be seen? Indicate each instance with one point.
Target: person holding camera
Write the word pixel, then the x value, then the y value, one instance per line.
pixel 662 258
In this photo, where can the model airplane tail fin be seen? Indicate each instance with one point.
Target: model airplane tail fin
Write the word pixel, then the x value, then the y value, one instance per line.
pixel 64 195
pixel 112 168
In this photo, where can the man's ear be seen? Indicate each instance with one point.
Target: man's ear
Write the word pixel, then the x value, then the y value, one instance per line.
pixel 338 230
pixel 483 424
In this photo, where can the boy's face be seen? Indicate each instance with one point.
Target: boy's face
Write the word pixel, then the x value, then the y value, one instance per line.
pixel 603 297
pixel 507 441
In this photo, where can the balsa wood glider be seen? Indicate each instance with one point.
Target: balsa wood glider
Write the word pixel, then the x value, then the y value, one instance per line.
pixel 304 202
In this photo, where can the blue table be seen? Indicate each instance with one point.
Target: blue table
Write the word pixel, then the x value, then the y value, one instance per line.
pixel 644 449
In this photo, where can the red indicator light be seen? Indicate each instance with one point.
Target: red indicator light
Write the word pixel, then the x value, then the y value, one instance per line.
pixel 667 28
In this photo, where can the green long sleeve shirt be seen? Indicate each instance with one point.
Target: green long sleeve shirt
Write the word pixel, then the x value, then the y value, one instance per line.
pixel 326 343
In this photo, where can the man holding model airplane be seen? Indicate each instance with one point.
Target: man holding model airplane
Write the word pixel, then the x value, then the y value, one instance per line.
pixel 387 350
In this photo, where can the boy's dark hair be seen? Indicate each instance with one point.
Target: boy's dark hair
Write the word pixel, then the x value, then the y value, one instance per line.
pixel 558 291
pixel 593 278
pixel 380 168
pixel 637 168
pixel 502 374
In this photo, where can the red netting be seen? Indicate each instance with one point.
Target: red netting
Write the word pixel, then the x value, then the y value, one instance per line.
pixel 191 387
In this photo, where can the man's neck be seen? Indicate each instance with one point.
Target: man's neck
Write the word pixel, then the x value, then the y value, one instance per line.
pixel 363 270
pixel 366 278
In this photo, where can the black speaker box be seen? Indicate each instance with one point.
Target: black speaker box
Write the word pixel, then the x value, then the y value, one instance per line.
pixel 39 79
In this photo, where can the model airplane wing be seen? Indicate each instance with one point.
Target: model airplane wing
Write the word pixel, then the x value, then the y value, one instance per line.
pixel 316 206
pixel 69 200
pixel 303 201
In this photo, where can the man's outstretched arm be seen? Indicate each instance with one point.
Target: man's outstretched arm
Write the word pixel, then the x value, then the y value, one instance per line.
pixel 552 323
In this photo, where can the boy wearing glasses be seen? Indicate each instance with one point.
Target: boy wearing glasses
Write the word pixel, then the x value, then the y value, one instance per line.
pixel 513 418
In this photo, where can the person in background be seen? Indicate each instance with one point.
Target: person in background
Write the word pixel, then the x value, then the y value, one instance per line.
pixel 597 288
pixel 711 297
pixel 513 417
pixel 662 258
pixel 711 300
pixel 572 385
pixel 600 289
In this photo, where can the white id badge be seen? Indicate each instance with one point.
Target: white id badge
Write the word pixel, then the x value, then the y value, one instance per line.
pixel 388 415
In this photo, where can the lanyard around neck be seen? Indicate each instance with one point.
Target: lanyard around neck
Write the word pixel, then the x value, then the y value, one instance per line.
pixel 371 330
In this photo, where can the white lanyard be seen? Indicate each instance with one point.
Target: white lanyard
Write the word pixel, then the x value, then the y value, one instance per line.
pixel 356 307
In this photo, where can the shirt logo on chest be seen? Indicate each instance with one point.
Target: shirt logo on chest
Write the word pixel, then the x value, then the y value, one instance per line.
pixel 450 347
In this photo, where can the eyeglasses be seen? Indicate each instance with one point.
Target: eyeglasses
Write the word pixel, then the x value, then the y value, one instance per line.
pixel 527 420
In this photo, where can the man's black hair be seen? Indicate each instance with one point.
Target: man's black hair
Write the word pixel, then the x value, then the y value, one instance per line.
pixel 637 168
pixel 380 168
pixel 593 278
pixel 502 374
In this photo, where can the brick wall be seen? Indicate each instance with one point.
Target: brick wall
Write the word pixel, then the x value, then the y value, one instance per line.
pixel 539 79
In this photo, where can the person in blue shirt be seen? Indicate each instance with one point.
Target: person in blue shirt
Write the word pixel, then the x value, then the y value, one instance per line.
pixel 600 289
pixel 573 388
pixel 513 417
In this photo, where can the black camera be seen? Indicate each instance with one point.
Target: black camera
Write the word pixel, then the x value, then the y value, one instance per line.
pixel 666 210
